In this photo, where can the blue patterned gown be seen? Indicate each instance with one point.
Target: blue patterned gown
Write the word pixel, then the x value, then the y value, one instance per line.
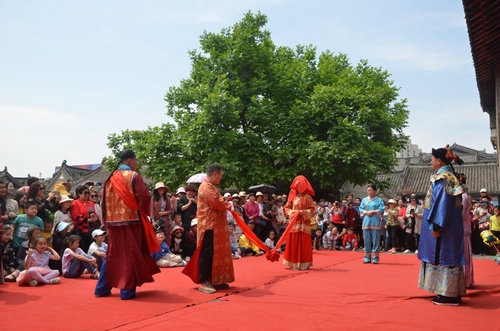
pixel 442 258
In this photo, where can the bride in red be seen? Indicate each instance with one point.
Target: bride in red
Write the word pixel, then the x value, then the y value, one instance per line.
pixel 298 252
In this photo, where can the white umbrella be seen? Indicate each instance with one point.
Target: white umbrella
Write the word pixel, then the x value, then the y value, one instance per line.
pixel 198 178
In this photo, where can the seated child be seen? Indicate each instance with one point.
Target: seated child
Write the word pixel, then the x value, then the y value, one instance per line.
pixel 59 238
pixel 36 267
pixel 8 252
pixel 177 243
pixel 233 241
pixel 350 240
pixel 47 232
pixel 164 257
pixel 98 248
pixel 271 241
pixel 75 261
pixel 330 238
pixel 246 246
pixel 191 240
pixel 32 233
pixel 340 238
pixel 318 240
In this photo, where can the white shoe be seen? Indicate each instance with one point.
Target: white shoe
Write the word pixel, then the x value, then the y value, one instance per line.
pixel 416 252
pixel 56 280
pixel 407 251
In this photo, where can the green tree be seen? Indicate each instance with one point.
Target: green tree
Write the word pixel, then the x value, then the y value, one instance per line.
pixel 269 113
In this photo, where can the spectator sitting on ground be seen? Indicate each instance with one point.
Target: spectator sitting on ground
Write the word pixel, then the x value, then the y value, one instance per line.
pixel 350 240
pixel 191 240
pixel 271 241
pixel 233 241
pixel 36 267
pixel 98 248
pixel 8 252
pixel 177 243
pixel 318 240
pixel 75 261
pixel 341 237
pixel 330 237
pixel 246 246
pixel 59 239
pixel 32 233
pixel 164 257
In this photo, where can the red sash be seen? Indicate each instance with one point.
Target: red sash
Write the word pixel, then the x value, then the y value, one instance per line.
pixel 128 197
pixel 272 255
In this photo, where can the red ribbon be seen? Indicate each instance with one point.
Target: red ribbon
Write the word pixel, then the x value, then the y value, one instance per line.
pixel 123 191
pixel 271 254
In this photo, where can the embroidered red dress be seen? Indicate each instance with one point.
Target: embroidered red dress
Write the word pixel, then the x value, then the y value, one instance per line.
pixel 298 252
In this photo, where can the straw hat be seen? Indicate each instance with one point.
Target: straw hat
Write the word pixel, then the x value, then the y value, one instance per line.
pixel 65 198
pixel 160 185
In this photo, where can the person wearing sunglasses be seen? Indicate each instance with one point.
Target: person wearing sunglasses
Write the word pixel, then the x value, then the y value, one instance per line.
pixel 84 216
pixel 95 198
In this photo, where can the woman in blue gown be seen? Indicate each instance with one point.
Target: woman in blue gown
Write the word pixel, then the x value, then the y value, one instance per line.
pixel 372 211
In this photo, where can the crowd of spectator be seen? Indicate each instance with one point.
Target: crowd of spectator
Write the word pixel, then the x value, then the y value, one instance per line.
pixel 46 235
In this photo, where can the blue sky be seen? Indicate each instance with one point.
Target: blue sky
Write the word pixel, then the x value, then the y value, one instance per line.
pixel 72 72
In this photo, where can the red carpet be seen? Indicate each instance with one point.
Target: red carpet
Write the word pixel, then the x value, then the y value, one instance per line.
pixel 338 292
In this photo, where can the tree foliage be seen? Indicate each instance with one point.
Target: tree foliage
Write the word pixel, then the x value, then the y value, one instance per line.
pixel 269 113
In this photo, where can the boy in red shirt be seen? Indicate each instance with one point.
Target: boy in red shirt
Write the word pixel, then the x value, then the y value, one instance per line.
pixel 350 240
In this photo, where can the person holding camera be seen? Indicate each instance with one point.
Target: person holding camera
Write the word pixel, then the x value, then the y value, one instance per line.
pixel 84 216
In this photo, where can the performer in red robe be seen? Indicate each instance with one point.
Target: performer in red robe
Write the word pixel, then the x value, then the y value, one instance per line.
pixel 126 204
pixel 298 252
pixel 211 265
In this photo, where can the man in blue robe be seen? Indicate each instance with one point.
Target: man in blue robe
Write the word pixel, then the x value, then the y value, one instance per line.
pixel 441 247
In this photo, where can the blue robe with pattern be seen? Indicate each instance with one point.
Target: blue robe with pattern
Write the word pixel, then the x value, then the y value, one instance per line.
pixel 445 211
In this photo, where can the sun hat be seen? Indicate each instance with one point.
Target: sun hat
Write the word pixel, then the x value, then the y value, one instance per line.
pixel 483 190
pixel 62 225
pixel 243 194
pixel 258 193
pixel 392 201
pixel 181 190
pixel 160 185
pixel 65 198
pixel 227 194
pixel 177 228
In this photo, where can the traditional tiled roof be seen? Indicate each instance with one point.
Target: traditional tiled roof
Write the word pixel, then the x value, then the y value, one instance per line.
pixel 66 174
pixel 7 177
pixel 99 175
